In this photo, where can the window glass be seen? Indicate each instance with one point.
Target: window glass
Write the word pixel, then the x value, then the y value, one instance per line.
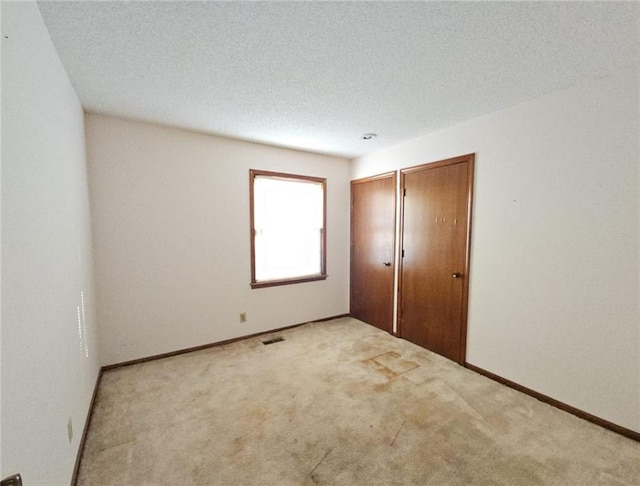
pixel 287 228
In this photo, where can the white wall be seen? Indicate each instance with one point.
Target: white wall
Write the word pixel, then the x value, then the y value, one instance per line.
pixel 49 361
pixel 555 264
pixel 171 230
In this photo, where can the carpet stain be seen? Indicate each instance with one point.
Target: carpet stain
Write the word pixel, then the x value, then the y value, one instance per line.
pixel 373 364
pixel 382 387
pixel 390 365
pixel 238 446
pixel 255 415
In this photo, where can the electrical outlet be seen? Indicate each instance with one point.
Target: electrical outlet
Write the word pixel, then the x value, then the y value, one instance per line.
pixel 243 317
pixel 70 430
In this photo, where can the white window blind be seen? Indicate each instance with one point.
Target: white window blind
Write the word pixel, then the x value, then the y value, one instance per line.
pixel 288 227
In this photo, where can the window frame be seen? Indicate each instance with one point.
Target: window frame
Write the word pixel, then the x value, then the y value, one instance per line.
pixel 253 173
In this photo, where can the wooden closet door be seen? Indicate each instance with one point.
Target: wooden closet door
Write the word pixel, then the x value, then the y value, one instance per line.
pixel 372 249
pixel 434 272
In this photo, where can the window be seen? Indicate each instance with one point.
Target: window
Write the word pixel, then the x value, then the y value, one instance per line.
pixel 288 220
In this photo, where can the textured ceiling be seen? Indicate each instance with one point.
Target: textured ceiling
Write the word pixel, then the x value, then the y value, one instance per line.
pixel 318 75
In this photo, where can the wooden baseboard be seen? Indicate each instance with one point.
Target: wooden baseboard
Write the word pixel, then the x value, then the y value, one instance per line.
pixel 83 438
pixel 631 434
pixel 211 345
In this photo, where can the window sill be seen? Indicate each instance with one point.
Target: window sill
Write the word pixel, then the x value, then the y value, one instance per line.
pixel 287 281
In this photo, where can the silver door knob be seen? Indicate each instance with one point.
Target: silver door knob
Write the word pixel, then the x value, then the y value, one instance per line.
pixel 387 264
pixel 456 275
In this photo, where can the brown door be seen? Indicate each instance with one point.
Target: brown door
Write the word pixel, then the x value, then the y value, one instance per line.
pixel 434 271
pixel 372 249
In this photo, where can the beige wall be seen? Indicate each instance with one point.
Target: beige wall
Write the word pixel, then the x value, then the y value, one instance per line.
pixel 171 227
pixel 49 351
pixel 555 264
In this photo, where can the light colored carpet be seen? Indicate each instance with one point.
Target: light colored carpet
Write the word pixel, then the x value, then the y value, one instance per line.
pixel 336 403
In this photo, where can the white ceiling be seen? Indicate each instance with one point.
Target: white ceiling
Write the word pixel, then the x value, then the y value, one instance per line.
pixel 318 75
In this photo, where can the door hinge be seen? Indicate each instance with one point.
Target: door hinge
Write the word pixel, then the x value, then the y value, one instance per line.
pixel 404 192
pixel 402 253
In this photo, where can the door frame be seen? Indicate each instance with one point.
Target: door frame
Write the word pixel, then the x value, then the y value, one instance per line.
pixel 394 177
pixel 470 160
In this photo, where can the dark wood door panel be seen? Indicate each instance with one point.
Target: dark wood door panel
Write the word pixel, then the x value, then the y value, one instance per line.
pixel 372 250
pixel 434 280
